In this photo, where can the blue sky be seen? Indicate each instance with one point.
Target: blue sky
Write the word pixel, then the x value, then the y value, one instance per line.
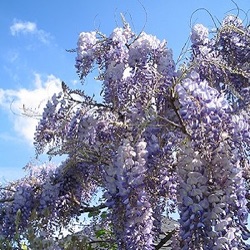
pixel 33 58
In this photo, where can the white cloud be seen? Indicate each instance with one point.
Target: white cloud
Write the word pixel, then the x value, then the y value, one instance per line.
pixel 21 27
pixel 31 102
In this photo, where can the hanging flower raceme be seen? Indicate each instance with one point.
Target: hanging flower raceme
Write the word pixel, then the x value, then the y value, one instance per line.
pixel 211 175
pixel 193 200
pixel 209 96
pixel 87 44
pixel 223 59
pixel 126 190
pixel 203 109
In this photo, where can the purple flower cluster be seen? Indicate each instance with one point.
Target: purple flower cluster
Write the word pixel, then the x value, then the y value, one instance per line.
pixel 161 140
pixel 199 34
pixel 212 97
pixel 202 109
pixel 223 60
pixel 18 213
pixel 86 47
pixel 213 212
pixel 193 190
pixel 127 63
pixel 125 182
pixel 51 195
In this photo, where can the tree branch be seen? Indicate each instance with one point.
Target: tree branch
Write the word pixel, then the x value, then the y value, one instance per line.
pixel 92 209
pixel 6 200
pixel 164 240
pixel 183 127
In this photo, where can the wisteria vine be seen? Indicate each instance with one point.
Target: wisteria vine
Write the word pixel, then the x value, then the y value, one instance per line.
pixel 165 139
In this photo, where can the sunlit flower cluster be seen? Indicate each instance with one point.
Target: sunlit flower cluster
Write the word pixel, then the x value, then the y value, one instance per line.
pixel 199 34
pixel 86 45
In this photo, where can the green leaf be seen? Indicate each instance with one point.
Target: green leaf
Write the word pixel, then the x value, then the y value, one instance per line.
pixel 104 215
pixel 24 247
pixel 100 233
pixel 93 214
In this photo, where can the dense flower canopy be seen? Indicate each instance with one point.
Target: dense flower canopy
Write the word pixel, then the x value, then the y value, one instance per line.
pixel 165 139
